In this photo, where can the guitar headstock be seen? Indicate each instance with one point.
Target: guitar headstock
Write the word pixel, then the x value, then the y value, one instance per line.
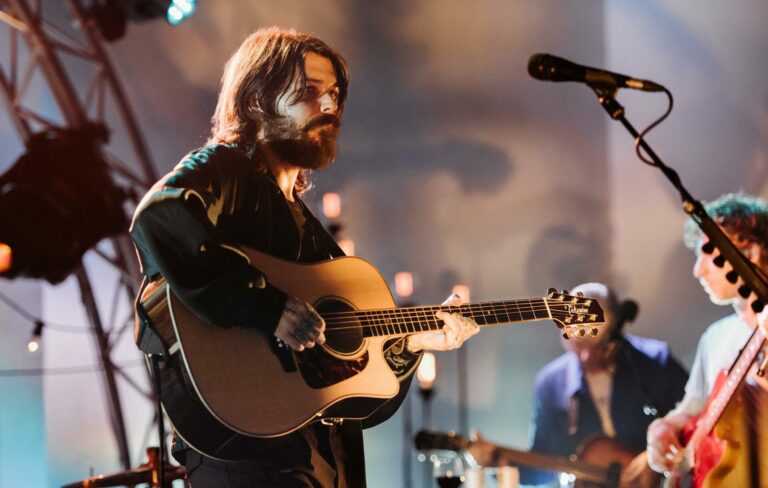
pixel 577 315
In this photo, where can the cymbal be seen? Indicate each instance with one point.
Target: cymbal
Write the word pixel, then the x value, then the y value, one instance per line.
pixel 131 477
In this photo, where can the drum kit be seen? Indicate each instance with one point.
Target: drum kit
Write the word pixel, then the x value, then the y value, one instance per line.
pixel 148 472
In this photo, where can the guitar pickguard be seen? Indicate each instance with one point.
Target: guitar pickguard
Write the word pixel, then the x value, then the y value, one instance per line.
pixel 321 370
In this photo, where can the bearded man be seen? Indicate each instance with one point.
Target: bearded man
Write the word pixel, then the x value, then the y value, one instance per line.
pixel 277 117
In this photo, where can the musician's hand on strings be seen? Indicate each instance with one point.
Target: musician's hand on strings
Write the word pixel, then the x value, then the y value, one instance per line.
pixel 455 332
pixel 300 325
pixel 664 449
pixel 482 452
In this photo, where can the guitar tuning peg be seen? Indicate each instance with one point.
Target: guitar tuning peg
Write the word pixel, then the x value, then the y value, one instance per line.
pixel 744 291
pixel 580 294
pixel 757 306
pixel 732 276
pixel 582 332
pixel 593 331
pixel 551 291
pixel 565 292
pixel 708 248
pixel 719 261
pixel 567 336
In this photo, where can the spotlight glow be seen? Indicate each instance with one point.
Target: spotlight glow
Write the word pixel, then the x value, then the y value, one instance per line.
pixel 6 257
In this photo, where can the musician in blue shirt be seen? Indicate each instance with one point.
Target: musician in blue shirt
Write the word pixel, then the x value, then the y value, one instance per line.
pixel 612 385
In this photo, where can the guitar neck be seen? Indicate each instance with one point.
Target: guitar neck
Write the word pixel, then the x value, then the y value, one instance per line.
pixel 406 320
pixel 583 471
pixel 588 472
pixel 719 402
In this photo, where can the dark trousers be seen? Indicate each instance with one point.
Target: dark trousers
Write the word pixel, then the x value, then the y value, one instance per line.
pixel 314 466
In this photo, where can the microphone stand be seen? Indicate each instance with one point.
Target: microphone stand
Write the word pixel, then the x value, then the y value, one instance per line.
pixel 755 280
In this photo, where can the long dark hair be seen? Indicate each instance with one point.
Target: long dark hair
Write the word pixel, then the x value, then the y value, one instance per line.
pixel 261 70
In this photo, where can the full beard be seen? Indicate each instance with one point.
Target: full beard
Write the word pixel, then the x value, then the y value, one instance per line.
pixel 310 147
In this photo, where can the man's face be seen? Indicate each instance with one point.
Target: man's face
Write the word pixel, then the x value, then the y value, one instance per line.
pixel 305 133
pixel 712 278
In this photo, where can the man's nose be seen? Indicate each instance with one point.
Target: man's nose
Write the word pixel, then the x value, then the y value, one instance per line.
pixel 698 267
pixel 328 104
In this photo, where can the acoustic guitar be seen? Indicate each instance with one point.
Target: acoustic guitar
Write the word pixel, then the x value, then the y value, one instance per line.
pixel 224 386
pixel 705 450
pixel 597 462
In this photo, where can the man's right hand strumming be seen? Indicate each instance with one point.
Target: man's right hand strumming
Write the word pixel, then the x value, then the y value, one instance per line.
pixel 300 325
pixel 664 449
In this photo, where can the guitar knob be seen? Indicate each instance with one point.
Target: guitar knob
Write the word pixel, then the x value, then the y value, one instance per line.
pixel 565 292
pixel 551 291
pixel 719 261
pixel 708 248
pixel 744 291
pixel 593 331
pixel 582 332
pixel 580 294
pixel 732 276
pixel 566 336
pixel 757 306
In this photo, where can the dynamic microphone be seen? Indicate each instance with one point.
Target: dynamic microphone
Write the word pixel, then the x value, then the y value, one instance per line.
pixel 546 67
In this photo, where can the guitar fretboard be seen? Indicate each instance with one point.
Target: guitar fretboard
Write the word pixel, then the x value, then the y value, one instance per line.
pixel 408 320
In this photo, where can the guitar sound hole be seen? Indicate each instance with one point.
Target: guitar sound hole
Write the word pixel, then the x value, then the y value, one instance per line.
pixel 343 333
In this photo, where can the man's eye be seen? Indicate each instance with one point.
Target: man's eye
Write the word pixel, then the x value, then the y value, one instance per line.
pixel 334 94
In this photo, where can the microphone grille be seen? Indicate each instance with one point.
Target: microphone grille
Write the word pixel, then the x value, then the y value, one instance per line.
pixel 539 66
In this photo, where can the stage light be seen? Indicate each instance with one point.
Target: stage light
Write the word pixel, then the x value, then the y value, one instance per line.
pixel 37 334
pixel 426 373
pixel 179 10
pixel 111 16
pixel 56 202
pixel 404 284
pixel 6 257
pixel 331 205
pixel 348 246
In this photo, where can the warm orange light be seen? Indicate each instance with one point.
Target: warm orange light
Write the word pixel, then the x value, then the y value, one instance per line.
pixel 462 291
pixel 404 284
pixel 348 246
pixel 426 374
pixel 331 205
pixel 6 257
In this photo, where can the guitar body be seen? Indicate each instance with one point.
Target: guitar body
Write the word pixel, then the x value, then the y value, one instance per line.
pixel 604 451
pixel 226 381
pixel 726 461
pixel 719 460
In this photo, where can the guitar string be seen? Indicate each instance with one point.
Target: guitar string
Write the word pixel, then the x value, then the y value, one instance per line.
pixel 355 314
pixel 396 317
pixel 531 304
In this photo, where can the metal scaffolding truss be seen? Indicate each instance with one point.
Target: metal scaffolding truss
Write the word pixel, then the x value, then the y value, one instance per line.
pixel 55 58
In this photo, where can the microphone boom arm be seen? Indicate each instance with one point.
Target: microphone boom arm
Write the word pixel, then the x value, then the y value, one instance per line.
pixel 752 276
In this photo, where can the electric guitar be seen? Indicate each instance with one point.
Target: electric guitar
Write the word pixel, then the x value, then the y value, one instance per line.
pixel 704 450
pixel 598 461
pixel 226 386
